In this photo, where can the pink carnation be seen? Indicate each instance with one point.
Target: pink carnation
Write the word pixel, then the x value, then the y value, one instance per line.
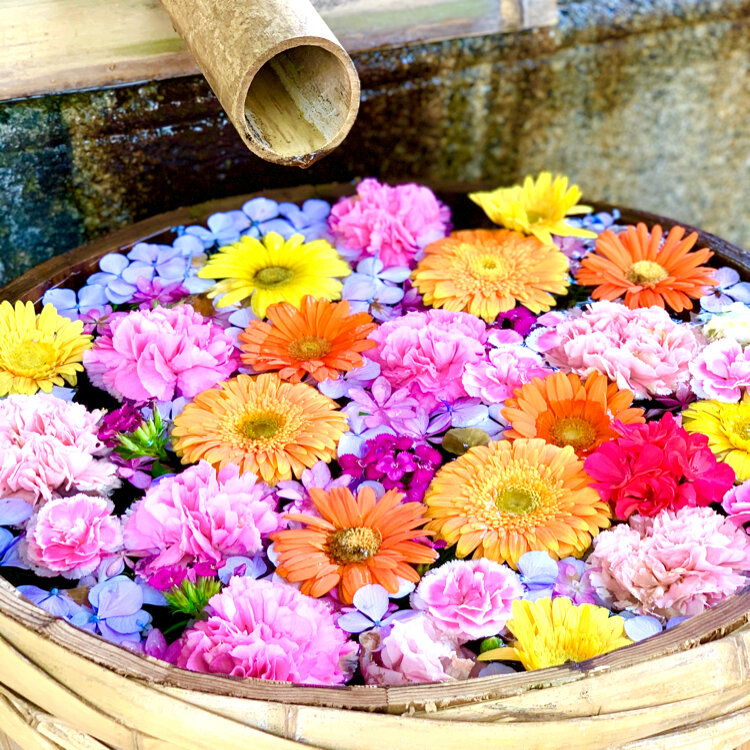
pixel 412 650
pixel 642 350
pixel 677 563
pixel 468 599
pixel 161 353
pixel 270 631
pixel 199 517
pixel 509 367
pixel 736 504
pixel 394 223
pixel 427 352
pixel 70 536
pixel 50 446
pixel 721 371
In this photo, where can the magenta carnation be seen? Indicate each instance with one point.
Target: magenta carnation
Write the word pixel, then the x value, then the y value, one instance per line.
pixel 394 223
pixel 721 371
pixel 642 350
pixel 70 536
pixel 269 630
pixel 677 563
pixel 200 517
pixel 468 599
pixel 160 354
pixel 50 446
pixel 657 465
pixel 427 352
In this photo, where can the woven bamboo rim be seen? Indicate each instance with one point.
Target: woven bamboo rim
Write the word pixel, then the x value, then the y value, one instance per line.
pixel 687 688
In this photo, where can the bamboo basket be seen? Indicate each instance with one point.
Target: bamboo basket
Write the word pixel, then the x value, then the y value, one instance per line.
pixel 63 688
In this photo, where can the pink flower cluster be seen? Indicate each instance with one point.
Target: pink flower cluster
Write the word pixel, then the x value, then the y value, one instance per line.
pixel 736 504
pixel 394 223
pixel 721 371
pixel 160 354
pixel 269 630
pixel 49 446
pixel 676 563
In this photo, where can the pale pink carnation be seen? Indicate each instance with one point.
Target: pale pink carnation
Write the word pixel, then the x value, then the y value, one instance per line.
pixel 642 350
pixel 427 352
pixel 394 223
pixel 721 371
pixel 270 631
pixel 49 446
pixel 161 354
pixel 736 504
pixel 468 599
pixel 198 516
pixel 412 650
pixel 674 564
pixel 509 367
pixel 70 536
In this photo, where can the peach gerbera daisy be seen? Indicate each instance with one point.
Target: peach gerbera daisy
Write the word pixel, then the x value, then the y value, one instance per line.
pixel 510 497
pixel 355 542
pixel 562 411
pixel 636 264
pixel 321 338
pixel 264 425
pixel 485 272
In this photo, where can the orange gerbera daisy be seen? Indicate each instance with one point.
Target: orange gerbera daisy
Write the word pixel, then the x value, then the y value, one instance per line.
pixel 487 271
pixel 635 263
pixel 562 411
pixel 321 338
pixel 509 497
pixel 357 541
pixel 264 425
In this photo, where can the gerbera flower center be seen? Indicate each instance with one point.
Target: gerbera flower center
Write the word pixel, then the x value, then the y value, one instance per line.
pixel 646 272
pixel 29 357
pixel 309 347
pixel 259 426
pixel 353 545
pixel 517 501
pixel 272 276
pixel 574 431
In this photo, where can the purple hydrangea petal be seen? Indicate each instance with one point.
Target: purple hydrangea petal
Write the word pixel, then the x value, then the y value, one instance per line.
pixel 137 271
pixel 116 597
pixel 240 220
pixel 371 266
pixel 389 295
pixel 91 298
pixel 114 263
pixel 395 274
pixel 537 567
pixel 316 209
pixel 372 600
pixel 194 241
pixel 280 226
pixel 726 276
pixel 63 300
pixel 740 292
pixel 119 292
pixel 14 511
pixel 642 626
pixel 673 621
pixel 354 622
pixel 261 209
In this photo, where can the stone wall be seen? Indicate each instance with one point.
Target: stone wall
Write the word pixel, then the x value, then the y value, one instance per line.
pixel 643 102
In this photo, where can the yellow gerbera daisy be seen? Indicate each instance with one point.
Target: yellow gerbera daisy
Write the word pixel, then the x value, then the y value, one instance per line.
pixel 38 351
pixel 550 632
pixel 485 272
pixel 537 207
pixel 275 270
pixel 262 424
pixel 507 498
pixel 727 427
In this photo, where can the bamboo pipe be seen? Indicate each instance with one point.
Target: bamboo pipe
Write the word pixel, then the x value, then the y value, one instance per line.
pixel 287 85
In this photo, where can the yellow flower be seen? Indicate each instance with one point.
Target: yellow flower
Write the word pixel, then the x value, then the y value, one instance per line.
pixel 537 207
pixel 727 427
pixel 550 632
pixel 275 270
pixel 38 351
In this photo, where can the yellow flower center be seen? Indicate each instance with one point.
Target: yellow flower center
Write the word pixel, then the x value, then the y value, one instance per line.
pixel 353 545
pixel 490 263
pixel 535 215
pixel 271 276
pixel 309 347
pixel 517 501
pixel 260 426
pixel 574 431
pixel 30 357
pixel 646 272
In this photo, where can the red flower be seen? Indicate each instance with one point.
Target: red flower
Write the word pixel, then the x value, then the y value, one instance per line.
pixel 657 465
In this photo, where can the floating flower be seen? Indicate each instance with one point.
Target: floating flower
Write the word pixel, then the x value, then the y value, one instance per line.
pixel 537 207
pixel 562 410
pixel 731 323
pixel 721 371
pixel 637 264
pixel 70 536
pixel 550 632
pixel 468 599
pixel 574 581
pixel 55 601
pixel 375 289
pixel 269 631
pixel 372 608
pixel 728 289
pixel 265 426
pixel 356 541
pixel 727 427
pixel 486 272
pixel 38 351
pixel 676 563
pixel 321 338
pixel 72 304
pixel 160 353
pixel 394 223
pixel 507 498
pixel 383 405
pixel 275 270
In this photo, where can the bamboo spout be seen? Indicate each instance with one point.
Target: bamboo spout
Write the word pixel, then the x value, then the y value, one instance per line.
pixel 287 85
